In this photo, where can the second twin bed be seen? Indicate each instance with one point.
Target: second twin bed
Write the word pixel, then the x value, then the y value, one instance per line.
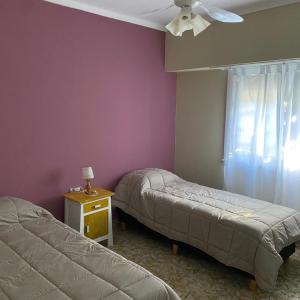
pixel 248 234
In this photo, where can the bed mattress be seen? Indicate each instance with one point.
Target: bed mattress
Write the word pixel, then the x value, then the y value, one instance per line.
pixel 43 259
pixel 239 231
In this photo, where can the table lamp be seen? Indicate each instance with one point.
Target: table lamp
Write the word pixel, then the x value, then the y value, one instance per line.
pixel 88 175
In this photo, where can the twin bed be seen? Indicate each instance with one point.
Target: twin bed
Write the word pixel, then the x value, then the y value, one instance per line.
pixel 44 259
pixel 248 234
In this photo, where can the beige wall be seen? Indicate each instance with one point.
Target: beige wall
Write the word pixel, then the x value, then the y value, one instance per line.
pixel 266 35
pixel 200 118
pixel 201 96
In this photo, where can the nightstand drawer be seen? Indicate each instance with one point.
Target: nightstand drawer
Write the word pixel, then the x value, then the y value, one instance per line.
pixel 95 205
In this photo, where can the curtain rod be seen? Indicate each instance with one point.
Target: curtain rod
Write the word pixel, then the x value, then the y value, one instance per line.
pixel 228 67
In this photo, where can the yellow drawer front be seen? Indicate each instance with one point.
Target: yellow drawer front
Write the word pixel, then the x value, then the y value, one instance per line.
pixel 96 225
pixel 95 205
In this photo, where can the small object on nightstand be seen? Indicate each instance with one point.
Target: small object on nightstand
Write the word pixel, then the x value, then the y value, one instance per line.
pixel 90 214
pixel 88 175
pixel 77 189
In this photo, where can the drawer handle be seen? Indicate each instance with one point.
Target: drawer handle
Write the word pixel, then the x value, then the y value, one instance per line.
pixel 97 206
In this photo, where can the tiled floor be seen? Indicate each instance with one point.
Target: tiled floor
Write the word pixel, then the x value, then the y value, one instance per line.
pixel 194 275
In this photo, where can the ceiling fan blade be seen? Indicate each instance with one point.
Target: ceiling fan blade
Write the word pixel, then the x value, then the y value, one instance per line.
pixel 155 11
pixel 220 14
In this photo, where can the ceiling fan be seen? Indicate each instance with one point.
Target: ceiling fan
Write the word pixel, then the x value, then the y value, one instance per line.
pixel 189 19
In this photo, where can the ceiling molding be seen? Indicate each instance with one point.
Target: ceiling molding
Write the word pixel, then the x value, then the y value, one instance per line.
pixel 106 13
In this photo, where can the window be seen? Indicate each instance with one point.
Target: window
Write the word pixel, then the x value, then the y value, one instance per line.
pixel 262 140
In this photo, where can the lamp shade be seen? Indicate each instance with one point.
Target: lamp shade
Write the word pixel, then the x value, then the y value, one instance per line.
pixel 181 23
pixel 87 173
pixel 199 24
pixel 174 28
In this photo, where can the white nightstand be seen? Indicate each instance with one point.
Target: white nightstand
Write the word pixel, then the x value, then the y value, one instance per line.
pixel 90 215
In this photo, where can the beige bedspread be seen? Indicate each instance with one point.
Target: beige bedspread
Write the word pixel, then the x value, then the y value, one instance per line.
pixel 241 232
pixel 41 258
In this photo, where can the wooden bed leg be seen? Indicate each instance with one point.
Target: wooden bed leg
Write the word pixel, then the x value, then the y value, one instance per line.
pixel 175 249
pixel 252 285
pixel 123 225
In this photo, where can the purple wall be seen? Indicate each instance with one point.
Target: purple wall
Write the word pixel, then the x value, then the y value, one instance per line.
pixel 78 89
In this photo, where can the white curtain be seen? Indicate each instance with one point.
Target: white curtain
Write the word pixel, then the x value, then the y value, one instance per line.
pixel 262 138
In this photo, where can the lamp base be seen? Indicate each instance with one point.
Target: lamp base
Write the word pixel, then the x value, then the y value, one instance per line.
pixel 88 189
pixel 91 193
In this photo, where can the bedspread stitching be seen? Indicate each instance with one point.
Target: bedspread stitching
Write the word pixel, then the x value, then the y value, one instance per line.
pixel 208 196
pixel 71 259
pixel 4 292
pixel 210 205
pixel 12 249
pixel 147 275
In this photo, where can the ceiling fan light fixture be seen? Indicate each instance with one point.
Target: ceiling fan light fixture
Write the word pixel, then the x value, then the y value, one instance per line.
pixel 199 24
pixel 181 23
pixel 185 21
pixel 173 27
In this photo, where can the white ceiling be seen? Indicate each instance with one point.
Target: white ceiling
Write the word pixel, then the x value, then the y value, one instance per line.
pixel 132 10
